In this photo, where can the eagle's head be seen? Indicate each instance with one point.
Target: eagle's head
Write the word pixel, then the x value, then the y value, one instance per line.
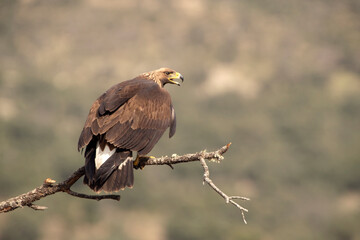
pixel 163 76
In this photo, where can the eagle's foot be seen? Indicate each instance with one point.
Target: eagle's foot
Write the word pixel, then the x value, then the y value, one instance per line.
pixel 140 161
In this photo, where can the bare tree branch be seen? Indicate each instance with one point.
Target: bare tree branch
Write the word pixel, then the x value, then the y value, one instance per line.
pixel 49 187
pixel 228 199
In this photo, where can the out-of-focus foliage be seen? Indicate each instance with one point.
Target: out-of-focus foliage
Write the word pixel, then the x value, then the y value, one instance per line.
pixel 280 79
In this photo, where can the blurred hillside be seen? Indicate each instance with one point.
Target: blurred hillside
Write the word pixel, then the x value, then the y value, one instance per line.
pixel 279 79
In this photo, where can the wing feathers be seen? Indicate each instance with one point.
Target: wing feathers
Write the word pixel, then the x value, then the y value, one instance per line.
pixel 85 137
pixel 95 128
pixel 131 115
pixel 155 138
pixel 173 122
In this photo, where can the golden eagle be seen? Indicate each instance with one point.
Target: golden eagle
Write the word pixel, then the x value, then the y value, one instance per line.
pixel 130 116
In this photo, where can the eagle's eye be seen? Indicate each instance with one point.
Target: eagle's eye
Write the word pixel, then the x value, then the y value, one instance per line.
pixel 167 73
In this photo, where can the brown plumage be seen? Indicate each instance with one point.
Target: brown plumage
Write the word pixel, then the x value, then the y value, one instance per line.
pixel 130 116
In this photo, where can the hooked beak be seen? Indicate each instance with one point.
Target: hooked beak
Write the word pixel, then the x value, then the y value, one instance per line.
pixel 176 76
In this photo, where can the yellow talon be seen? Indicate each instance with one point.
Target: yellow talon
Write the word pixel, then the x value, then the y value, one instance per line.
pixel 137 161
pixel 140 161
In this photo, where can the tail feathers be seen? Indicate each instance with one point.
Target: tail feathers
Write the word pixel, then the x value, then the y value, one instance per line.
pixel 120 178
pixel 89 162
pixel 114 174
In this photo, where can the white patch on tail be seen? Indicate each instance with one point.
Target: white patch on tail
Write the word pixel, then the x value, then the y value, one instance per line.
pixel 102 155
pixel 124 162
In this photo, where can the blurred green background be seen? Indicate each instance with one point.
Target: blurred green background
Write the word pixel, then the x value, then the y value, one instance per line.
pixel 280 79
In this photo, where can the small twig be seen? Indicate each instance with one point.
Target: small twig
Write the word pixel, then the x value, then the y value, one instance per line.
pixel 221 193
pixel 171 166
pixel 93 197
